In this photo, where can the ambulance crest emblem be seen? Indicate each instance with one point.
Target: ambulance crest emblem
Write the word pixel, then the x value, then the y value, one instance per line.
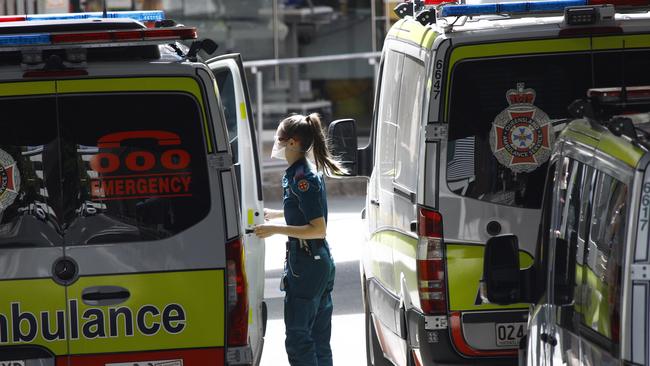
pixel 522 136
pixel 9 180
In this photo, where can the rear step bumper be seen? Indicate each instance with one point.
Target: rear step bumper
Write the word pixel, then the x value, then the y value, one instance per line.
pixel 437 347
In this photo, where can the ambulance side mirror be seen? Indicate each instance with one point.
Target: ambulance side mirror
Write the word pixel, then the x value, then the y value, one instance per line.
pixel 342 134
pixel 501 273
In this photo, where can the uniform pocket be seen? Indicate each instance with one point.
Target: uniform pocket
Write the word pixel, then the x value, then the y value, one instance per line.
pixel 309 279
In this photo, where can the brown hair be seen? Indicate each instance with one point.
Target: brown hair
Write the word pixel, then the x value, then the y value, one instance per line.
pixel 308 131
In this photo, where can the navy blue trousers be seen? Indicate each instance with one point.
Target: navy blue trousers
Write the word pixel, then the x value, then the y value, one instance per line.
pixel 308 306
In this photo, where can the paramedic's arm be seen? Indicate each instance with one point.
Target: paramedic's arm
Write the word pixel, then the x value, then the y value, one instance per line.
pixel 270 214
pixel 316 229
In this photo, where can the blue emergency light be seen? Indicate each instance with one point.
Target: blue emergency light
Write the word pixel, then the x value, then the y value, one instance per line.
pixel 509 8
pixel 25 40
pixel 141 16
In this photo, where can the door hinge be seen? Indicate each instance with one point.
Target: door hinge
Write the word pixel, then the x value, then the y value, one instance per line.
pixel 435 322
pixel 436 132
pixel 640 272
pixel 220 161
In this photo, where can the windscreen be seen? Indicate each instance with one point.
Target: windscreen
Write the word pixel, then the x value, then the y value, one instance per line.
pixel 505 114
pixel 111 168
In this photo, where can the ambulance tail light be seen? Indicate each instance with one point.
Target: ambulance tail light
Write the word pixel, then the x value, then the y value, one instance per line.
pixel 237 295
pixel 432 282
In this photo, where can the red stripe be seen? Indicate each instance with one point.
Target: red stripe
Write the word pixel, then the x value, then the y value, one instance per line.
pixel 466 349
pixel 192 357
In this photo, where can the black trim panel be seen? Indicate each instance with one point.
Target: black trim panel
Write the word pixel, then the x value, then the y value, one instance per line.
pixel 496 317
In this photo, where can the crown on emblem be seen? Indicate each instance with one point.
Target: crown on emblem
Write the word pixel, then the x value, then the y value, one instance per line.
pixel 520 95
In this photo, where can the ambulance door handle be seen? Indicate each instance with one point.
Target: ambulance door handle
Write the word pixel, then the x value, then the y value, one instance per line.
pixel 374 202
pixel 104 295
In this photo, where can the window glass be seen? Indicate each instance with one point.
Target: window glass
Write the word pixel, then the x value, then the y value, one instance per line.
pixel 229 103
pixel 30 174
pixel 501 121
pixel 567 219
pixel 408 123
pixel 543 235
pixel 602 268
pixel 136 172
pixel 498 145
pixel 387 117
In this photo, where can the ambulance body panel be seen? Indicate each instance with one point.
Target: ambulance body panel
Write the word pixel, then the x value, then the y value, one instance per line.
pixel 142 254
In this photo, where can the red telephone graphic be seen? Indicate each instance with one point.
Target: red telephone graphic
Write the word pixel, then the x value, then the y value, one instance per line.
pixel 139 161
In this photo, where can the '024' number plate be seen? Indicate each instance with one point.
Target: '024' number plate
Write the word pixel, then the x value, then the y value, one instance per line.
pixel 509 334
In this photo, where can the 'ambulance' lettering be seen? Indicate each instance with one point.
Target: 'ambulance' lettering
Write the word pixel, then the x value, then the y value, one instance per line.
pixel 24 327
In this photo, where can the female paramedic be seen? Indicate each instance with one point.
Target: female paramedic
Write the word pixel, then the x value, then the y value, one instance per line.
pixel 309 270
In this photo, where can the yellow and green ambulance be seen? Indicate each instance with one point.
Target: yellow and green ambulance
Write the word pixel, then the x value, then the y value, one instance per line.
pixel 469 103
pixel 589 284
pixel 122 219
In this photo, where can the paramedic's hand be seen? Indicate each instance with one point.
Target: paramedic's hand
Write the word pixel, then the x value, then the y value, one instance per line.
pixel 265 230
pixel 270 214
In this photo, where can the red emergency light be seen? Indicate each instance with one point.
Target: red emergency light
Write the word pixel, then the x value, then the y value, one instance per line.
pixel 632 92
pixel 149 34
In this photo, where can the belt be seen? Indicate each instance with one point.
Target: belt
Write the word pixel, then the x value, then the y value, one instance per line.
pixel 304 244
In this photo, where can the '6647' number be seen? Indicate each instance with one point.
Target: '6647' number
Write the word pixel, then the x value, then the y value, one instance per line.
pixel 645 207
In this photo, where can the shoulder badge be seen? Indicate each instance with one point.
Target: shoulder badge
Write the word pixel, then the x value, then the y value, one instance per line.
pixel 522 135
pixel 303 185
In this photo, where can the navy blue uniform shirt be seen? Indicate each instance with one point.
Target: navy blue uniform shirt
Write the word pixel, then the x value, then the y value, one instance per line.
pixel 305 197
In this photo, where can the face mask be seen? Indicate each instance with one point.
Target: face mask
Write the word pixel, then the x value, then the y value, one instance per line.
pixel 278 151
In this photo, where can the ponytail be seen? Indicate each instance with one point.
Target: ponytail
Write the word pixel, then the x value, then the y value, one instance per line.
pixel 309 132
pixel 322 156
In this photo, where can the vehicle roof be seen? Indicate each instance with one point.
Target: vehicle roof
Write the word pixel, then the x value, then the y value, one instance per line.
pixel 601 139
pixel 114 60
pixel 72 25
pixel 502 28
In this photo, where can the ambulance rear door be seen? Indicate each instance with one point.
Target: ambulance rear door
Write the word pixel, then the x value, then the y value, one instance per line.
pixel 33 271
pixel 143 210
pixel 235 99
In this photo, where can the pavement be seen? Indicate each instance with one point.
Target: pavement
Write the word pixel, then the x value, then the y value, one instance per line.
pixel 344 235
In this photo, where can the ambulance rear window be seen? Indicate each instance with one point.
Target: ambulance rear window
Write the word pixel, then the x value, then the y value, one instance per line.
pixel 93 169
pixel 140 166
pixel 505 113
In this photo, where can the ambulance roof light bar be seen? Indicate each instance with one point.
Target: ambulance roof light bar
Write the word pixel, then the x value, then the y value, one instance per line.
pixel 95 39
pixel 509 8
pixel 141 16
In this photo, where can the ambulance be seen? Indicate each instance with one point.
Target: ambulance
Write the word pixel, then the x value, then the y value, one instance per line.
pixel 588 287
pixel 469 102
pixel 128 188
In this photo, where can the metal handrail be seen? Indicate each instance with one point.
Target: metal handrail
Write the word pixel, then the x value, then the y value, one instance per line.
pixel 371 56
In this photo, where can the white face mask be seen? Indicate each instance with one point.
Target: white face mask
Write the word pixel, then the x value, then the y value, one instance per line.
pixel 278 151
